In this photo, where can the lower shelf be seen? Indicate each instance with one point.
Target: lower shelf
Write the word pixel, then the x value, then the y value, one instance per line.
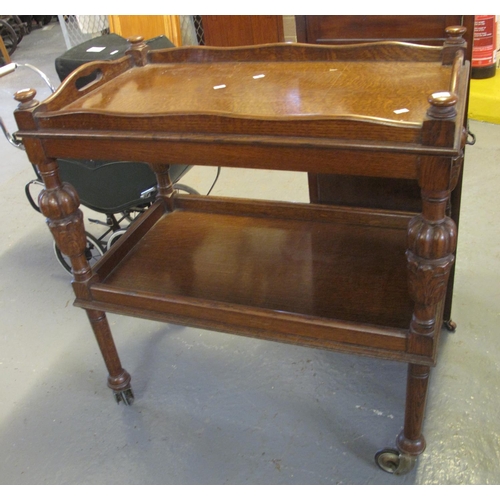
pixel 326 275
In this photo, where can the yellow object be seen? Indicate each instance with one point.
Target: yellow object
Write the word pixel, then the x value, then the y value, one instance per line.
pixel 4 52
pixel 484 99
pixel 147 27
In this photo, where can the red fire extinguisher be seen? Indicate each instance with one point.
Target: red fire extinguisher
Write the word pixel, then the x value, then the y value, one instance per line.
pixel 484 49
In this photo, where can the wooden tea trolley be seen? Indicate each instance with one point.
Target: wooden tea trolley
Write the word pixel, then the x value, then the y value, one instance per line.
pixel 356 280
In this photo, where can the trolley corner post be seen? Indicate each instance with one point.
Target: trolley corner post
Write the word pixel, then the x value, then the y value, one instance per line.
pixel 432 237
pixel 59 203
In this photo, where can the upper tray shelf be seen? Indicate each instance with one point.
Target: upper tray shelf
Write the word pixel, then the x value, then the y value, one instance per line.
pixel 385 90
pixel 298 90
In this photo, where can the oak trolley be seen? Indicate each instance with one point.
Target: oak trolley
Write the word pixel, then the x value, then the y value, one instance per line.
pixel 356 280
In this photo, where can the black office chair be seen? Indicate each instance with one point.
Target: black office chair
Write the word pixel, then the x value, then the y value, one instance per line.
pixel 118 190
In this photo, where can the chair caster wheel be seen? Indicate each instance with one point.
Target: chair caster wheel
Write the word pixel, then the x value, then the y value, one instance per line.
pixel 394 462
pixel 450 325
pixel 126 397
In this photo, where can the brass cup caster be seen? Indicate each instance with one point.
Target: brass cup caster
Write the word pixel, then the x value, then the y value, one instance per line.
pixel 392 461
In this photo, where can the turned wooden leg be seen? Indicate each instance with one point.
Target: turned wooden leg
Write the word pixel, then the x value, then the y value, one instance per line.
pixel 410 440
pixel 59 203
pixel 431 243
pixel 166 189
pixel 118 379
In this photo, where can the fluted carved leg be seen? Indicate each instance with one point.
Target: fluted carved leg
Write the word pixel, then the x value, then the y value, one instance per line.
pixel 431 243
pixel 59 202
pixel 432 240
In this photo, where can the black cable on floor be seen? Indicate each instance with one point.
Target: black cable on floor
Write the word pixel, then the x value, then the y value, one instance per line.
pixel 216 178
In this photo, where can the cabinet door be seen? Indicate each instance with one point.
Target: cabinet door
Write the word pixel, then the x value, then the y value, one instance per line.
pixel 231 31
pixel 351 29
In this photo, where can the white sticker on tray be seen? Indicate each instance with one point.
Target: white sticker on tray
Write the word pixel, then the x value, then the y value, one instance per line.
pixel 96 49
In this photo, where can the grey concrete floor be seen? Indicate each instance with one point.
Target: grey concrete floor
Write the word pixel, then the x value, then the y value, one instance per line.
pixel 219 409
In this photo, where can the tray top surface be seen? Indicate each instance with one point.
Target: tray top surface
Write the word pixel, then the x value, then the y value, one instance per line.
pixel 272 90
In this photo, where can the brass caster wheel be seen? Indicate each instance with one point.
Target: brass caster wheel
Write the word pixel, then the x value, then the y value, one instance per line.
pixel 450 325
pixel 126 397
pixel 394 462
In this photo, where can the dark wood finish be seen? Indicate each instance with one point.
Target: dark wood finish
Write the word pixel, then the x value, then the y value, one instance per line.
pixel 411 440
pixel 292 273
pixel 357 280
pixel 357 191
pixel 233 31
pixel 426 29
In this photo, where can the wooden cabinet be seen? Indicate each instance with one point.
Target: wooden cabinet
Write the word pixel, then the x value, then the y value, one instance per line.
pixel 357 280
pixel 426 30
pixel 230 31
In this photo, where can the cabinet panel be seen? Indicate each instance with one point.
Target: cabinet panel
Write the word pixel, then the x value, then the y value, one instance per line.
pixel 230 31
pixel 348 29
